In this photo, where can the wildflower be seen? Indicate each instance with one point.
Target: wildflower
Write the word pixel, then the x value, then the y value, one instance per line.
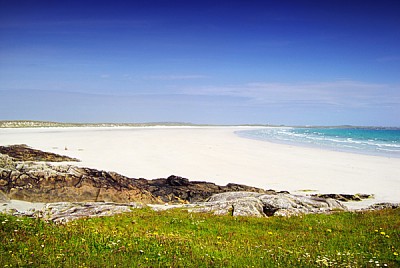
pixel 270 233
pixel 329 230
pixel 383 233
pixel 387 236
pixel 395 254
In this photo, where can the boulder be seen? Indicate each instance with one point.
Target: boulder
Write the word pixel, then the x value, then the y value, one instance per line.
pixel 260 205
pixel 63 212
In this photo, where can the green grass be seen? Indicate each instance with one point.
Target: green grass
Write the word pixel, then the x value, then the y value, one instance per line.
pixel 175 238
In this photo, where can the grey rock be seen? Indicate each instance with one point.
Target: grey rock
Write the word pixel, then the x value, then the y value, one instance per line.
pixel 44 182
pixel 235 204
pixel 248 206
pixel 63 212
pixel 232 196
pixel 260 205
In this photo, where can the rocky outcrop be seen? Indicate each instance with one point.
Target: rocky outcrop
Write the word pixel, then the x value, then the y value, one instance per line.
pixel 45 182
pixel 233 203
pixel 176 189
pixel 379 206
pixel 66 211
pixel 280 204
pixel 345 197
pixel 23 152
pixel 260 205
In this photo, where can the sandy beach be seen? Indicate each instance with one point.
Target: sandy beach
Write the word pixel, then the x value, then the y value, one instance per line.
pixel 218 155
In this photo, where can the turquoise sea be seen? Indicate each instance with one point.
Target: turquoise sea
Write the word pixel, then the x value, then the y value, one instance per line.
pixel 373 141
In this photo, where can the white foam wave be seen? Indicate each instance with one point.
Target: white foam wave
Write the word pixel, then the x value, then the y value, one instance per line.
pixel 315 138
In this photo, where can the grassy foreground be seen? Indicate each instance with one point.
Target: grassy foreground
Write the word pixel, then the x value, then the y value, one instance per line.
pixel 176 238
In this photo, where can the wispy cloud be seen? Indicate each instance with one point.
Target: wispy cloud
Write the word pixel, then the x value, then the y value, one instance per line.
pixel 388 59
pixel 175 77
pixel 107 23
pixel 336 93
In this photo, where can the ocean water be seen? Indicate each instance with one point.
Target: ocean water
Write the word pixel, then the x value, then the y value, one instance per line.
pixel 372 141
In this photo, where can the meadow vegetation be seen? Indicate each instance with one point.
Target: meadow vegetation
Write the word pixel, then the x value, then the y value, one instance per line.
pixel 176 238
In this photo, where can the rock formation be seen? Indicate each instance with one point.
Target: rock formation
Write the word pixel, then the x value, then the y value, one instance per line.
pixel 23 152
pixel 229 203
pixel 261 204
pixel 63 212
pixel 176 189
pixel 44 182
pixel 345 197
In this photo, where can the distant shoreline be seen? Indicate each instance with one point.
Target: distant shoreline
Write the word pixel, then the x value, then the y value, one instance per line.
pixel 39 124
pixel 45 124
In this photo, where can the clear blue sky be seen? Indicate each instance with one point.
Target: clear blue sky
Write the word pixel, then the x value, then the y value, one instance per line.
pixel 221 62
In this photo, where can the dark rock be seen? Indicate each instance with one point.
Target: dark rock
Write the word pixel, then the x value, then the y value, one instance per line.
pixel 24 153
pixel 177 181
pixel 345 197
pixel 176 189
pixel 43 182
pixel 380 206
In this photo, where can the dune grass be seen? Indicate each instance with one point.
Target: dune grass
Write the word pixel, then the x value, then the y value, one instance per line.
pixel 175 238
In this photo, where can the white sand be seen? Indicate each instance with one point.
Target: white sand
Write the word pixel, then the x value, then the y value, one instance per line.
pixel 216 154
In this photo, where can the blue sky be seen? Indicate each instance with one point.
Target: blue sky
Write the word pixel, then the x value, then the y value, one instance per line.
pixel 219 62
